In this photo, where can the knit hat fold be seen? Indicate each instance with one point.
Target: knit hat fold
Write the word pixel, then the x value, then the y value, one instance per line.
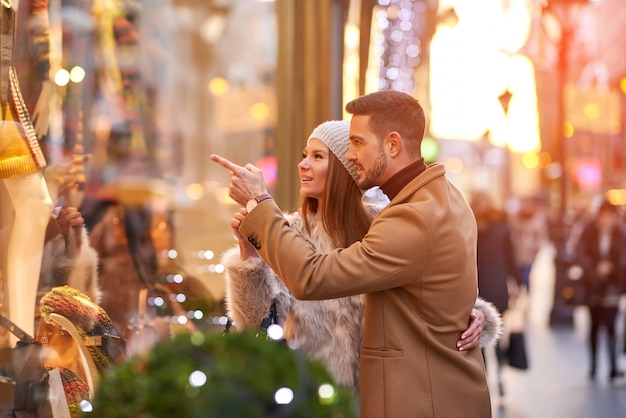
pixel 335 134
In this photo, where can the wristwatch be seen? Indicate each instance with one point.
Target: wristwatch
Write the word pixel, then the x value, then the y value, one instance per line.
pixel 251 204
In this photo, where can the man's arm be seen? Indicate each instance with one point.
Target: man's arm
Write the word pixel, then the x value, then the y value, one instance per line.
pixel 246 182
pixel 371 265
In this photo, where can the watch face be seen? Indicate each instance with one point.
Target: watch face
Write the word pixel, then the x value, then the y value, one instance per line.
pixel 251 204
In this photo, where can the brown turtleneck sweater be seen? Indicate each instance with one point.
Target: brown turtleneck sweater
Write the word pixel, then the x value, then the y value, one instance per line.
pixel 397 182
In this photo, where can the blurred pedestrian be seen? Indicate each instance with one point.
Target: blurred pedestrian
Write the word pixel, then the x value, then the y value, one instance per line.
pixel 599 253
pixel 529 233
pixel 498 277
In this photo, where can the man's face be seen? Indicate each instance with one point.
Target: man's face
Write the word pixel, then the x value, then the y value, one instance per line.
pixel 367 153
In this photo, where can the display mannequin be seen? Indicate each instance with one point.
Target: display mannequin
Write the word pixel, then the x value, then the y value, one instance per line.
pixel 25 204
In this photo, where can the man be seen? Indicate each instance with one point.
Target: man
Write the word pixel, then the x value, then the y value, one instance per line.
pixel 416 266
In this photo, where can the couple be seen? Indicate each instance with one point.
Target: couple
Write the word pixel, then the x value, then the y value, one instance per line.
pixel 415 265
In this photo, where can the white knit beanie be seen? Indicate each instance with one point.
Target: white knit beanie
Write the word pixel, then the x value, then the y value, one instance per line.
pixel 336 135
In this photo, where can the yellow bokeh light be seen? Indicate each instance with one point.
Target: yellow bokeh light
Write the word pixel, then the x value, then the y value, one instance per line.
pixel 616 196
pixel 568 129
pixel 622 84
pixel 259 111
pixel 454 165
pixel 351 36
pixel 195 191
pixel 592 111
pixel 77 74
pixel 62 77
pixel 218 86
pixel 530 160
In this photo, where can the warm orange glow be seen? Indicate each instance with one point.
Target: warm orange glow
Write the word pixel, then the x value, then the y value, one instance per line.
pixel 622 85
pixel 545 159
pixel 472 64
pixel 616 196
pixel 351 60
pixel 259 111
pixel 568 129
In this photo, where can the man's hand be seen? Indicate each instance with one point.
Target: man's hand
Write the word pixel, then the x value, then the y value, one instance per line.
pixel 245 182
pixel 469 339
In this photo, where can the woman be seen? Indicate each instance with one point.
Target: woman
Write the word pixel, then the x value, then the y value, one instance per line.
pixel 332 215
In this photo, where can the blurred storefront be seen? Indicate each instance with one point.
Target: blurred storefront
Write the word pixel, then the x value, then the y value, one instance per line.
pixel 151 88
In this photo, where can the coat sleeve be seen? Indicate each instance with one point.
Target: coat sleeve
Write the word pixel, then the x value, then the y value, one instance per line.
pixel 492 331
pixel 303 272
pixel 251 286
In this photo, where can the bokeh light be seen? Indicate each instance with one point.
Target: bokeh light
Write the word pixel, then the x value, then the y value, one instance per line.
pixel 197 378
pixel 283 396
pixel 275 332
pixel 218 86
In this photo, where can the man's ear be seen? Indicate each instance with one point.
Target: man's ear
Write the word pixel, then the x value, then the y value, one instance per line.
pixel 393 143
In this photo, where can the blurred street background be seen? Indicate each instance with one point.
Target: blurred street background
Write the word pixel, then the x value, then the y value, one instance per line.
pixel 556 385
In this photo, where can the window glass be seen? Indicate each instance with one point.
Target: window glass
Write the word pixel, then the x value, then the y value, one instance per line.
pixel 148 89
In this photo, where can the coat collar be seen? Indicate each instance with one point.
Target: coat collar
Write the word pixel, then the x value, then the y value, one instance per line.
pixel 432 172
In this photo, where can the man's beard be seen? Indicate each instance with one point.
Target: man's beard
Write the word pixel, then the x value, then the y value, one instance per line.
pixel 372 175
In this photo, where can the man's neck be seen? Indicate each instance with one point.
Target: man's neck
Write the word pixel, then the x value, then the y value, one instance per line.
pixel 397 182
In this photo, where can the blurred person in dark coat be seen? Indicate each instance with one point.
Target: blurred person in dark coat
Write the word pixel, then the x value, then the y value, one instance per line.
pixel 498 276
pixel 529 230
pixel 599 253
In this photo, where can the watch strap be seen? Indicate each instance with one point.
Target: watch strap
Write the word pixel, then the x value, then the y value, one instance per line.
pixel 263 197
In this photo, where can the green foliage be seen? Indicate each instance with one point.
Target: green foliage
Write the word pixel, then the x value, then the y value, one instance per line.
pixel 243 373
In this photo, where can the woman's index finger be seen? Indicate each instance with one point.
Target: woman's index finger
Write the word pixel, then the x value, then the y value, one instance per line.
pixel 227 164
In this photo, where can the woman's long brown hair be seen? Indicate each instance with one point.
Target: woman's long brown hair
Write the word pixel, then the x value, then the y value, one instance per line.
pixel 344 216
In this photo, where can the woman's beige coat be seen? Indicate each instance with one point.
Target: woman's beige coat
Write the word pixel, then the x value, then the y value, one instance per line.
pixel 417 268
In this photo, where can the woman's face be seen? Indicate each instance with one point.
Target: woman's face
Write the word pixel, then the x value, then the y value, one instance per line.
pixel 313 169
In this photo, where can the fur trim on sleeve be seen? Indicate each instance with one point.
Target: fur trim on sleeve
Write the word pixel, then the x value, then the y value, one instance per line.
pixel 79 272
pixel 250 288
pixel 492 330
pixel 84 274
